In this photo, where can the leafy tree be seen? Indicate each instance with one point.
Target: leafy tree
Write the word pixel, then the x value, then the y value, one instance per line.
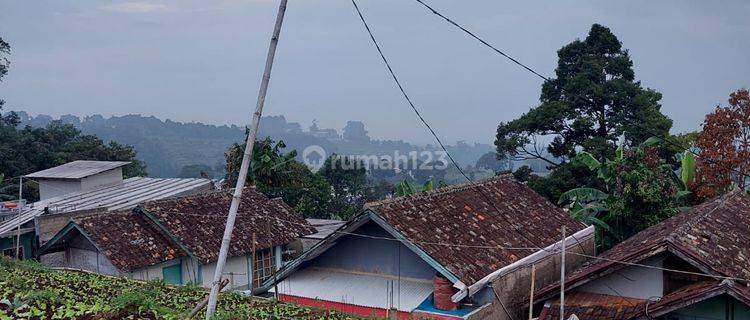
pixel 278 174
pixel 641 190
pixel 349 182
pixel 406 188
pixel 592 102
pixel 27 150
pixel 724 146
pixel 4 62
pixel 6 190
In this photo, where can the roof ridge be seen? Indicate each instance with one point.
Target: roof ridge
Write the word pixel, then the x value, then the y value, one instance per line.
pixel 698 217
pixel 441 191
pixel 101 213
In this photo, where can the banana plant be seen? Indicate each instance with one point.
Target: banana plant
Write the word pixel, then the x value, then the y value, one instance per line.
pixel 687 168
pixel 405 188
pixel 587 205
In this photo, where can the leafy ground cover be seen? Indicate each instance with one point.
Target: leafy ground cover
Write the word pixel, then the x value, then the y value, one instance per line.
pixel 29 290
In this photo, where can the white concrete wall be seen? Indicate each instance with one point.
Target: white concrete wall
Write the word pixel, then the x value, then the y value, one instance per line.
pixel 105 178
pixel 154 272
pixel 50 188
pixel 90 260
pixel 632 282
pixel 236 265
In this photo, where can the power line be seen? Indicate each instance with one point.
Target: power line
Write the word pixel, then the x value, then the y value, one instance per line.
pixel 427 125
pixel 482 41
pixel 633 123
pixel 511 248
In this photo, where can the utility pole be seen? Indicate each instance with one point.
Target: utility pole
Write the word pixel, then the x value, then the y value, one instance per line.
pixel 246 158
pixel 562 277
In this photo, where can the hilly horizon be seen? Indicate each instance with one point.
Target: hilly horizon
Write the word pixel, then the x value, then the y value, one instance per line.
pixel 167 146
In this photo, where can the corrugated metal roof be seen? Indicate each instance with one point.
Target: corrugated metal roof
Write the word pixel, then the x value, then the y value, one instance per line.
pixel 367 290
pixel 120 196
pixel 77 169
pixel 324 227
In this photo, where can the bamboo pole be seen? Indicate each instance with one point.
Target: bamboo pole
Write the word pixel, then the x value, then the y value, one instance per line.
pixel 20 211
pixel 562 277
pixel 531 295
pixel 246 159
pixel 203 303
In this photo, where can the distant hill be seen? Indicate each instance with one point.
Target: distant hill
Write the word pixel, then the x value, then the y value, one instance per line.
pixel 167 146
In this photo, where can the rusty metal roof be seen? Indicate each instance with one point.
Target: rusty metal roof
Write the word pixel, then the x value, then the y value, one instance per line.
pixel 197 222
pixel 498 211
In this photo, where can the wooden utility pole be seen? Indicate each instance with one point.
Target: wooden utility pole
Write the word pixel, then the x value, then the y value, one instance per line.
pixel 246 158
pixel 562 277
pixel 531 295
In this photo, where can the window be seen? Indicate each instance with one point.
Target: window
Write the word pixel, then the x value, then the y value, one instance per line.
pixel 11 252
pixel 263 266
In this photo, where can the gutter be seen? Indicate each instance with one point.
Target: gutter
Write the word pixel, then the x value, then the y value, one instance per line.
pixel 534 257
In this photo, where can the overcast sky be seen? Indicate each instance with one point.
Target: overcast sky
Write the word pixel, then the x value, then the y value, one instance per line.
pixel 202 60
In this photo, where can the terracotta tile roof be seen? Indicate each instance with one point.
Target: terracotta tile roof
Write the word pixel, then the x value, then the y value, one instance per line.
pixel 592 306
pixel 128 239
pixel 715 234
pixel 197 222
pixel 460 214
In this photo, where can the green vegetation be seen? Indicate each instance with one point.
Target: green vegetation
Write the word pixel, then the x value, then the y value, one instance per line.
pixel 338 190
pixel 640 190
pixel 30 291
pixel 25 150
pixel 593 102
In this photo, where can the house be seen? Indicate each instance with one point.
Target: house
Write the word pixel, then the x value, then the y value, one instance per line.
pixel 695 265
pixel 80 187
pixel 76 176
pixel 178 239
pixel 444 254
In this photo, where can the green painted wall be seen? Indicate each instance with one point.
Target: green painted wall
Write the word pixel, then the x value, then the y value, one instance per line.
pixel 714 308
pixel 27 242
pixel 172 274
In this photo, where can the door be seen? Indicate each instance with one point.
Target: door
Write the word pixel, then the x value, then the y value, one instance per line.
pixel 172 274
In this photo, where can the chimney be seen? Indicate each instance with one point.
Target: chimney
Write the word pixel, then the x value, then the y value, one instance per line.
pixel 442 292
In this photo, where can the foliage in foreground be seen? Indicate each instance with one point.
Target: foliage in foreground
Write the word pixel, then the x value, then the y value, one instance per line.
pixel 30 291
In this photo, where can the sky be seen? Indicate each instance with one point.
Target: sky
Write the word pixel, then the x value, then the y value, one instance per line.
pixel 202 61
